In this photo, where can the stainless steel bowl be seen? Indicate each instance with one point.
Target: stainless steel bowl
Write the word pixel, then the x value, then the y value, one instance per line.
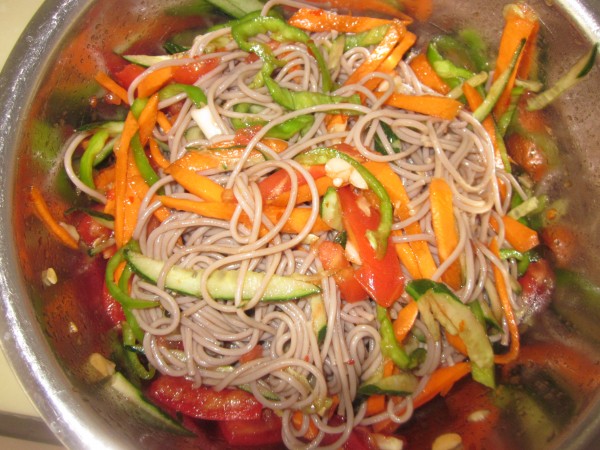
pixel 47 333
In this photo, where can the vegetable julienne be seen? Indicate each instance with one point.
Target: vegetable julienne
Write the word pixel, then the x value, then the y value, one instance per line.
pixel 301 240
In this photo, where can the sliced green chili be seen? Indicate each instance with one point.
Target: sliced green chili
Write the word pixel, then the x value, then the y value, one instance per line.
pixel 194 93
pixel 142 162
pixel 295 100
pixel 129 341
pixel 86 166
pixel 390 348
pixel 365 38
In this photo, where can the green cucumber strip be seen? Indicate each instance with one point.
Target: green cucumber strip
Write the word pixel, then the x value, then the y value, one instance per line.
pixel 121 385
pixel 331 209
pixel 222 284
pixel 113 127
pixel 530 206
pixel 318 317
pixel 392 138
pixel 402 384
pixel 570 79
pixel 498 87
pixel 147 60
pixel 457 318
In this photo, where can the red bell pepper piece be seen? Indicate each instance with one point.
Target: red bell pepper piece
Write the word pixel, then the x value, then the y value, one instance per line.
pixel 129 73
pixel 381 278
pixel 265 430
pixel 189 73
pixel 279 182
pixel 179 395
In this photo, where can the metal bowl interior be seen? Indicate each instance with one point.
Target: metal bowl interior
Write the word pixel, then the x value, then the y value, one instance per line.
pixel 48 332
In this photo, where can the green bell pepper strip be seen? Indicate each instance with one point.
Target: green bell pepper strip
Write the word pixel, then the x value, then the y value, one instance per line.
pixel 129 341
pixel 280 31
pixel 390 348
pixel 476 49
pixel 141 160
pixel 285 130
pixel 365 38
pixel 377 238
pixel 86 166
pixel 452 75
pixel 138 106
pixel 194 93
pixel 467 51
pixel 506 118
pixel 295 100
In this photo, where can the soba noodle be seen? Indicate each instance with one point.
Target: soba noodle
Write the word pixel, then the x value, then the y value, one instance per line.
pixel 203 339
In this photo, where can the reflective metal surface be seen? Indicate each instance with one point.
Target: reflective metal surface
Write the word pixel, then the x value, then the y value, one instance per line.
pixel 46 331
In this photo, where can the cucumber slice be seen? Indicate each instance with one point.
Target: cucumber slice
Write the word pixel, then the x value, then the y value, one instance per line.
pixel 147 60
pixel 439 302
pixel 122 385
pixel 222 284
pixel 401 384
pixel 318 317
pixel 331 209
pixel 570 79
pixel 237 8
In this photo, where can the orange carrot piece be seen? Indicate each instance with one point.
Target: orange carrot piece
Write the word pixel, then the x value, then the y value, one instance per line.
pixel 432 105
pixel 391 62
pixel 255 353
pixel 426 75
pixel 298 419
pixel 420 249
pixel 104 178
pixel 148 118
pixel 41 207
pixel 320 20
pixel 154 81
pixel 379 6
pixel 521 22
pixel 111 85
pixel 214 210
pixel 304 194
pixel 474 99
pixel 378 56
pixel 163 121
pixel 407 256
pixel 456 341
pixel 297 220
pixel 441 381
pixel 199 185
pixel 138 187
pixel 520 236
pixel 375 404
pixel 444 228
pixel 513 327
pixel 157 155
pixel 405 320
pixel 121 168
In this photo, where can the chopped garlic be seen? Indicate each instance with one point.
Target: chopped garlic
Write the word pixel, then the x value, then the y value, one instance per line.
pixel 448 441
pixel 479 415
pixel 104 367
pixel 207 123
pixel 341 172
pixel 310 239
pixel 352 253
pixel 49 277
pixel 387 442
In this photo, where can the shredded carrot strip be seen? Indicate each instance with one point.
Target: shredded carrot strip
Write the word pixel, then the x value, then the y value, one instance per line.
pixel 139 188
pixel 148 118
pixel 157 155
pixel 379 54
pixel 405 320
pixel 41 207
pixel 513 328
pixel 520 236
pixel 320 20
pixel 375 404
pixel 297 220
pixel 456 341
pixel 104 178
pixel 304 194
pixel 418 251
pixel 521 23
pixel 391 62
pixel 121 169
pixel 444 228
pixel 110 85
pixel 199 185
pixel 164 122
pixel 426 75
pixel 298 419
pixel 441 381
pixel 432 105
pixel 214 210
pixel 154 81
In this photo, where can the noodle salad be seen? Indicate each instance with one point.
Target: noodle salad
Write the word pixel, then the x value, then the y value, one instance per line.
pixel 312 226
